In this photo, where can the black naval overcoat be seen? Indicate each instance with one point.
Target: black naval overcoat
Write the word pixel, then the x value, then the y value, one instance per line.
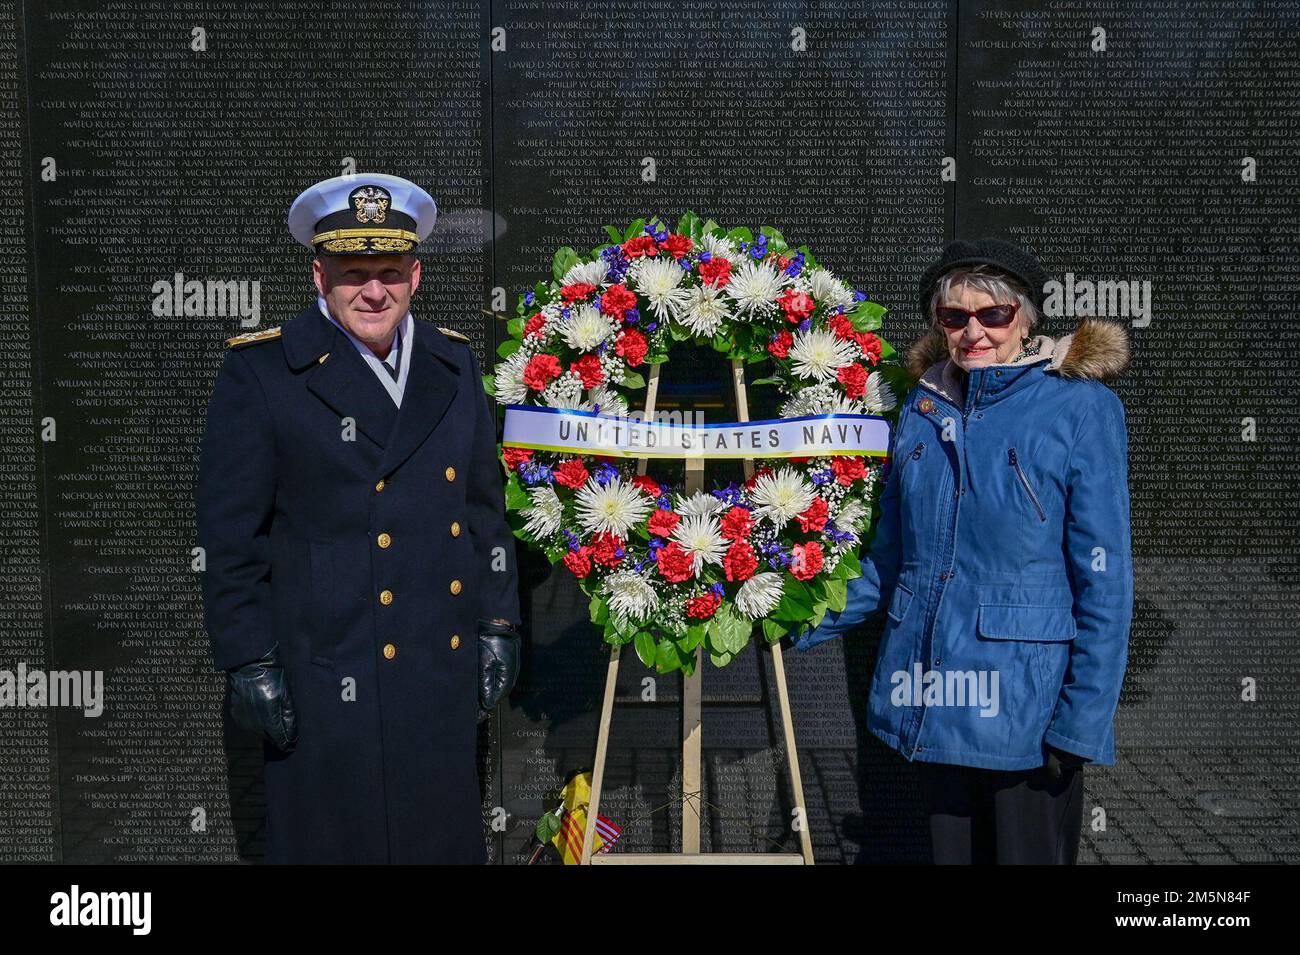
pixel 368 554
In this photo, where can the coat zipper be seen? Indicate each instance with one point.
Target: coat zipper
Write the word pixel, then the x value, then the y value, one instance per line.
pixel 913 455
pixel 1015 463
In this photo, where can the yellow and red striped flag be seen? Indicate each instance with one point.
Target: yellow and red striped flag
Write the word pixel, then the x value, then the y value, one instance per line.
pixel 573 823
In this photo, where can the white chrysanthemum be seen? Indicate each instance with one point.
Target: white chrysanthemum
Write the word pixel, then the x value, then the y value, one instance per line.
pixel 879 396
pixel 851 515
pixel 585 329
pixel 754 287
pixel 828 290
pixel 660 281
pixel 509 380
pixel 718 245
pixel 816 353
pixel 820 399
pixel 630 595
pixel 547 513
pixel 605 401
pixel 759 595
pixel 564 392
pixel 781 496
pixel 591 273
pixel 707 307
pixel 700 536
pixel 615 507
pixel 699 503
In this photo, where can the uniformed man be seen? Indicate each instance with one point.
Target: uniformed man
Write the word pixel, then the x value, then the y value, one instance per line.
pixel 360 586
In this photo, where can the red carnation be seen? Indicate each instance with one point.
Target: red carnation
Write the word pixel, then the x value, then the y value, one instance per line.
pixel 674 563
pixel 616 300
pixel 870 346
pixel 641 245
pixel 841 326
pixel 516 456
pixel 534 325
pixel 716 271
pixel 578 562
pixel 605 548
pixel 572 473
pixel 579 290
pixel 737 523
pixel 589 370
pixel 806 562
pixel 704 606
pixel 854 379
pixel 814 519
pixel 677 245
pixel 848 468
pixel 781 347
pixel 631 345
pixel 662 522
pixel 647 484
pixel 797 305
pixel 540 371
pixel 740 562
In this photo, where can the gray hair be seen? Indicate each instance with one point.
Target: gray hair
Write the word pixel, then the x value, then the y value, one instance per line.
pixel 992 282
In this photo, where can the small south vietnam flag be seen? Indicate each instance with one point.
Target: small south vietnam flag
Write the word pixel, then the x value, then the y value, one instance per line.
pixel 573 823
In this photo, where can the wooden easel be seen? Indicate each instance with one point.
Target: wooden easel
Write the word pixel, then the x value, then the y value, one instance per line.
pixel 692 789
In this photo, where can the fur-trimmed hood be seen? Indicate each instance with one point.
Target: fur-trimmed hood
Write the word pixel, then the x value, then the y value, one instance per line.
pixel 1097 348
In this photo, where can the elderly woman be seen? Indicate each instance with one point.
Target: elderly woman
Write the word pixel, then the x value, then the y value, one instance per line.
pixel 1002 558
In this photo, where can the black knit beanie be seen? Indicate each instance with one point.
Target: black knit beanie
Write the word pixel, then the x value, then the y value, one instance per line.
pixel 1007 257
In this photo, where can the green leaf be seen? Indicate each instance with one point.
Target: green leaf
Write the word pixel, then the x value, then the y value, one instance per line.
pixel 490 384
pixel 741 234
pixel 645 648
pixel 515 327
pixel 775 240
pixel 796 603
pixel 633 380
pixel 516 497
pixel 721 659
pixel 565 259
pixel 635 229
pixel 772 630
pixel 866 317
pixel 508 347
pixel 599 611
pixel 765 381
pixel 729 632
pixel 837 593
pixel 547 827
pixel 667 659
pixel 689 224
pixel 848 567
pixel 695 634
pixel 614 234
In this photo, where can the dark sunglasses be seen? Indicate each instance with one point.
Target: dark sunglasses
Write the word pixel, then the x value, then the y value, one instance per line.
pixel 990 316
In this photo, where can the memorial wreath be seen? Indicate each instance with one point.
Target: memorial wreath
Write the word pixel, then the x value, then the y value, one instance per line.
pixel 669 571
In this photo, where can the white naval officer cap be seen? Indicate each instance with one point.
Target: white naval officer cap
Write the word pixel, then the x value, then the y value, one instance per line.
pixel 363 214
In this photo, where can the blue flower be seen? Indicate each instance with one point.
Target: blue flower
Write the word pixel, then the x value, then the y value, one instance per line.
pixel 632 316
pixel 536 474
pixel 859 296
pixel 652 326
pixel 706 256
pixel 528 298
pixel 717 589
pixel 822 477
pixel 572 538
pixel 662 500
pixel 805 325
pixel 605 472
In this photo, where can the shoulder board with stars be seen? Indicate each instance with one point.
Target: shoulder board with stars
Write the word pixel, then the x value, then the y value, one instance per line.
pixel 265 335
pixel 453 335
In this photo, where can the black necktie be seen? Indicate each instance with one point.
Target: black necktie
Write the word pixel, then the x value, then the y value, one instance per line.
pixel 395 368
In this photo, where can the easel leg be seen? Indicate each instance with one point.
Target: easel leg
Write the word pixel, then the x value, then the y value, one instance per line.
pixel 602 747
pixel 692 789
pixel 792 755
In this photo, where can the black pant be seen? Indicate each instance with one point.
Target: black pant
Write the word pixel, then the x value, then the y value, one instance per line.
pixel 1002 816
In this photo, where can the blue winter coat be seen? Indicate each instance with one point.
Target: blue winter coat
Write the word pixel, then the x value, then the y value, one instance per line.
pixel 1002 555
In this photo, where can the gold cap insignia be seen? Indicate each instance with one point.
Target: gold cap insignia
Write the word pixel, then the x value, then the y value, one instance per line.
pixel 265 335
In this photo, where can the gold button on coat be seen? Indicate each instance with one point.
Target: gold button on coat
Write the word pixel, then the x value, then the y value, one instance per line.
pixel 455 528
pixel 455 586
pixel 384 540
pixel 390 651
pixel 385 597
pixel 379 487
pixel 451 473
pixel 455 641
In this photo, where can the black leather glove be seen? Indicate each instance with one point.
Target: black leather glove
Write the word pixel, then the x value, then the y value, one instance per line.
pixel 498 661
pixel 260 700
pixel 1058 761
